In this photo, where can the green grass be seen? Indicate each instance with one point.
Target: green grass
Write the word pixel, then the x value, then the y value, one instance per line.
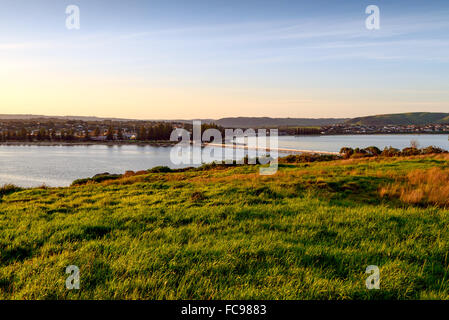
pixel 308 232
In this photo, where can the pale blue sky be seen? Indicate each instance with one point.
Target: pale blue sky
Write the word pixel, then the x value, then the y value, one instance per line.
pixel 209 59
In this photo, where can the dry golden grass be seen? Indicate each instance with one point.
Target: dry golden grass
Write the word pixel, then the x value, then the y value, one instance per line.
pixel 426 187
pixel 442 156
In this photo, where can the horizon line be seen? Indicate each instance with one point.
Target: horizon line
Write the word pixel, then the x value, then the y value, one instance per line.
pixel 192 119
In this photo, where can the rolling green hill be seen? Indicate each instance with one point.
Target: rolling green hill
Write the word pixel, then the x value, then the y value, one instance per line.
pixel 307 232
pixel 413 118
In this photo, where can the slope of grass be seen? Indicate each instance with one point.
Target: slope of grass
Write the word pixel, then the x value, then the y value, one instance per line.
pixel 307 232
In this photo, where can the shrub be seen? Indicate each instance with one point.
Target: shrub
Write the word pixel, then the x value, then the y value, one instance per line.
pixel 432 149
pixel 82 181
pixel 160 169
pixel 101 174
pixel 210 166
pixel 391 152
pixel 358 150
pixel 129 173
pixel 373 151
pixel 410 151
pixel 8 189
pixel 289 159
pixel 97 178
pixel 308 157
pixel 346 152
pixel 358 155
pixel 104 177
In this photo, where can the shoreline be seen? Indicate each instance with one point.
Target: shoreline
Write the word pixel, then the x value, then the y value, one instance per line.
pixel 88 143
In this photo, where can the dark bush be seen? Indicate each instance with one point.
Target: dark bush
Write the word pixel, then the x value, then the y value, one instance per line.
pixel 101 178
pixel 391 152
pixel 213 165
pixel 358 150
pixel 101 175
pixel 308 157
pixel 346 152
pixel 289 159
pixel 129 173
pixel 373 151
pixel 79 182
pixel 8 189
pixel 432 149
pixel 357 155
pixel 160 169
pixel 97 178
pixel 410 151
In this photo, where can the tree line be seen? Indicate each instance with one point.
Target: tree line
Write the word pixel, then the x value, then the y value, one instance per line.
pixel 160 131
pixel 83 131
pixel 41 135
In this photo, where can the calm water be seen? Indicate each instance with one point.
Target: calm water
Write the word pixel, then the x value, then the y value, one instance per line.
pixel 59 165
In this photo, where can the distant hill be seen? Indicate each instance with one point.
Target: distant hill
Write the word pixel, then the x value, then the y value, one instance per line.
pixel 413 118
pixel 254 122
pixel 238 122
pixel 35 116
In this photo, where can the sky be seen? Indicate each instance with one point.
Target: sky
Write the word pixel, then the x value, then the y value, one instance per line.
pixel 212 59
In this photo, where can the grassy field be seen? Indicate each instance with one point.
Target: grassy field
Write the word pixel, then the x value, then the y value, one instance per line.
pixel 308 232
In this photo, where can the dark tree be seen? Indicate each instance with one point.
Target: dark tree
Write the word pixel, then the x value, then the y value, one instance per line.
pixel 110 133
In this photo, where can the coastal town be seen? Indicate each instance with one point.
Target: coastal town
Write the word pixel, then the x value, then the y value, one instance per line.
pixel 52 129
pixel 78 130
pixel 387 129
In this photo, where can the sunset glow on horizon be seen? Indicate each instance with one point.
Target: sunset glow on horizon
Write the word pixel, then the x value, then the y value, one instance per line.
pixel 202 59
